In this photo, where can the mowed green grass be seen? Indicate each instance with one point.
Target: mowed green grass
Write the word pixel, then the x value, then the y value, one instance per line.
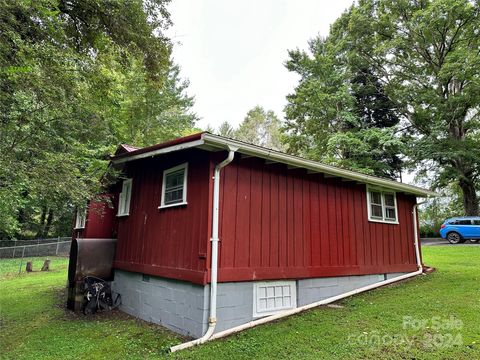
pixel 371 325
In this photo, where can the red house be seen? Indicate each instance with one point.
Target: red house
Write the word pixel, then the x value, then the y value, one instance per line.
pixel 213 233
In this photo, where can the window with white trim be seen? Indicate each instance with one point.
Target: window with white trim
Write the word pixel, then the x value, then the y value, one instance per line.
pixel 81 218
pixel 382 206
pixel 273 296
pixel 124 198
pixel 174 186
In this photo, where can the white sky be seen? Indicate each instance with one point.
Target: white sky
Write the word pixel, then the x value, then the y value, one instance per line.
pixel 233 51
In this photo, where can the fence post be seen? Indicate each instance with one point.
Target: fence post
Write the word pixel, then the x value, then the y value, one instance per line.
pixel 14 248
pixel 58 243
pixel 21 261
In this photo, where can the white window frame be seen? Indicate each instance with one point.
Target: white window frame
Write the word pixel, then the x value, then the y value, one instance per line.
pixel 166 172
pixel 123 201
pixel 256 297
pixel 384 207
pixel 81 219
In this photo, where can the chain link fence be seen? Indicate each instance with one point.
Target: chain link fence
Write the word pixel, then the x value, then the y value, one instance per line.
pixel 41 247
pixel 16 253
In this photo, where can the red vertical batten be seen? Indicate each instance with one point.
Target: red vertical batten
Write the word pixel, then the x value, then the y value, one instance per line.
pixel 100 219
pixel 275 223
pixel 170 242
pixel 309 226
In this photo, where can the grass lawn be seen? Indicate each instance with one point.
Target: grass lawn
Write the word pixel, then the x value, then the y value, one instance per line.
pixel 34 324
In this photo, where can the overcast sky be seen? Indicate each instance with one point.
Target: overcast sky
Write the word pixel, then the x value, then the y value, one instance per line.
pixel 233 51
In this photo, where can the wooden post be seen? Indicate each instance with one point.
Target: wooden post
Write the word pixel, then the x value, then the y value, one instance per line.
pixel 21 261
pixel 46 265
pixel 58 241
pixel 29 267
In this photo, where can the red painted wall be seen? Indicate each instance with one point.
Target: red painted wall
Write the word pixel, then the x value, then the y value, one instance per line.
pixel 170 242
pixel 100 221
pixel 285 223
pixel 274 223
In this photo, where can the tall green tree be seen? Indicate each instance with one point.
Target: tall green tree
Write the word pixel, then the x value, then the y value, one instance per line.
pixel 77 78
pixel 339 113
pixel 426 53
pixel 225 129
pixel 261 127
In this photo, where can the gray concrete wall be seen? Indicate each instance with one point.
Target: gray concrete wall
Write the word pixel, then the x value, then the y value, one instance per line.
pixel 178 305
pixel 184 307
pixel 312 290
pixel 234 304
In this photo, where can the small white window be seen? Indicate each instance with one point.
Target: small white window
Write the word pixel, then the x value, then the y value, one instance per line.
pixel 124 198
pixel 382 206
pixel 273 296
pixel 174 186
pixel 81 218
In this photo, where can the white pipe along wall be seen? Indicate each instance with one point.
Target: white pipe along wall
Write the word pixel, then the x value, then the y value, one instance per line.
pixel 212 319
pixel 285 313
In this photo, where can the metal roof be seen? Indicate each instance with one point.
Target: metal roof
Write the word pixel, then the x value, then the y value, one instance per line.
pixel 210 142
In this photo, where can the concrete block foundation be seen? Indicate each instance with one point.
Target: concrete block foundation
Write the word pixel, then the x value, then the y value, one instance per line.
pixel 183 307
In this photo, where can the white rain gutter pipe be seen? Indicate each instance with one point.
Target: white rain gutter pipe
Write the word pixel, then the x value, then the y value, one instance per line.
pixel 212 319
pixel 321 302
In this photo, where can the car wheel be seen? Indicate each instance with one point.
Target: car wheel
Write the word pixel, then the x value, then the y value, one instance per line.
pixel 454 238
pixel 474 240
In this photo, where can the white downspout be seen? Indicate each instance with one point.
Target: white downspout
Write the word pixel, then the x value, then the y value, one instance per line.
pixel 212 319
pixel 321 302
pixel 415 232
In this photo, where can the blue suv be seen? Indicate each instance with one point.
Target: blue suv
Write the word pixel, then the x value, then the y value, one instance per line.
pixel 459 229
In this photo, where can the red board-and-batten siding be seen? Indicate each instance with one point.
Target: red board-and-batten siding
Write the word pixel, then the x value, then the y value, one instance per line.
pixel 275 223
pixel 171 242
pixel 286 223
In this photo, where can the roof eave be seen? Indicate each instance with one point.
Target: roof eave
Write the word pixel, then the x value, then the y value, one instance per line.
pixel 276 156
pixel 165 150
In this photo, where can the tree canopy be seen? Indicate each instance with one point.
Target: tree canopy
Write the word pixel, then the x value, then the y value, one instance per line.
pixel 260 127
pixel 420 61
pixel 76 79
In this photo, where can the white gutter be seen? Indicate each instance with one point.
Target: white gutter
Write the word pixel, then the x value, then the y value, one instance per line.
pixel 212 319
pixel 212 142
pixel 318 303
pixel 314 166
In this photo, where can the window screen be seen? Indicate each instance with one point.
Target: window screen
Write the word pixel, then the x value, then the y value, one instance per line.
pixel 382 206
pixel 174 186
pixel 376 204
pixel 124 198
pixel 81 219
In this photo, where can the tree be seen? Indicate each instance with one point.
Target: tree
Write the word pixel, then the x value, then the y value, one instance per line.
pixel 426 53
pixel 77 78
pixel 339 113
pixel 261 128
pixel 225 129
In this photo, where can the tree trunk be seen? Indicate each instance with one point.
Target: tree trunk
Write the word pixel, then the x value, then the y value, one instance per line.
pixel 41 226
pixel 470 199
pixel 46 265
pixel 48 224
